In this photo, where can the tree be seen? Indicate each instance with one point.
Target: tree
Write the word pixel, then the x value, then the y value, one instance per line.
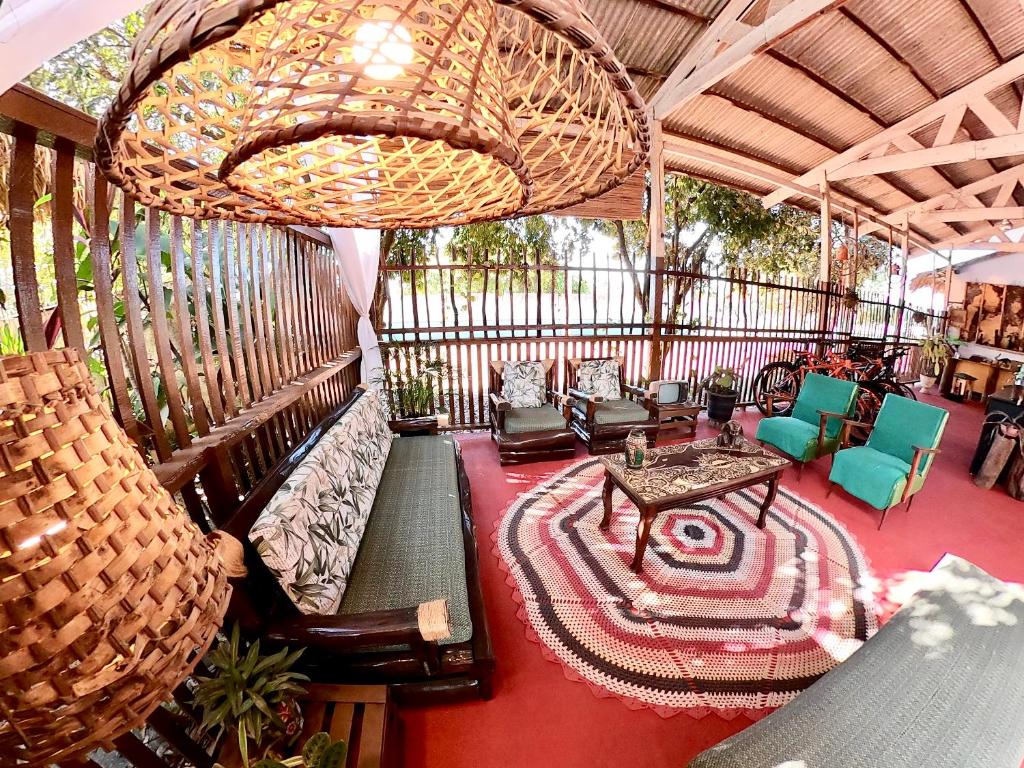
pixel 87 75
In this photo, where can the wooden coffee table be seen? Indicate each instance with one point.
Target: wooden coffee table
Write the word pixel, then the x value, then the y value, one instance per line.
pixel 680 475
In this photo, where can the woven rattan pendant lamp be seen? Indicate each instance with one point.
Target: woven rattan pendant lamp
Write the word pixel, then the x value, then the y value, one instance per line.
pixel 109 595
pixel 371 113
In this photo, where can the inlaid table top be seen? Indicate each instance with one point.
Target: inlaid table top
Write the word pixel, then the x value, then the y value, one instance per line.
pixel 675 471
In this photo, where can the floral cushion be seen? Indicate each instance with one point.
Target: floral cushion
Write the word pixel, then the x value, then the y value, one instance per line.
pixel 309 533
pixel 600 377
pixel 524 384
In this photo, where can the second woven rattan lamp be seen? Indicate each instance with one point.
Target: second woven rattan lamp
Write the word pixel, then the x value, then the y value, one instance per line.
pixel 371 113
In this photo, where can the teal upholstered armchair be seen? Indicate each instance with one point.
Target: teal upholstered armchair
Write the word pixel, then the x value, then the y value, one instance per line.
pixel 816 419
pixel 894 463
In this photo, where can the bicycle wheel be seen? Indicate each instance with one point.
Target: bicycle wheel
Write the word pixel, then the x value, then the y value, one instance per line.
pixel 776 379
pixel 869 403
pixel 894 387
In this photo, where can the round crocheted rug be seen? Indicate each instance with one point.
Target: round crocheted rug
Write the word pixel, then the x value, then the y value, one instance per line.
pixel 726 617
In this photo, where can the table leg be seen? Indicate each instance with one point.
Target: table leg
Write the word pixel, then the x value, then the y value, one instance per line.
pixel 643 533
pixel 607 497
pixel 769 497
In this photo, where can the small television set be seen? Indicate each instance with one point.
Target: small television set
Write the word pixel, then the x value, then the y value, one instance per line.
pixel 671 392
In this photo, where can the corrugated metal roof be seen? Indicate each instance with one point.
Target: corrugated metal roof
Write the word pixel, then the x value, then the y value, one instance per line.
pixel 835 82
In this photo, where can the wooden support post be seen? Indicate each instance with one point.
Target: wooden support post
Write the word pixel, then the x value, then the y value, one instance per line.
pixel 825 266
pixel 905 248
pixel 826 232
pixel 656 226
pixel 944 327
pixel 888 288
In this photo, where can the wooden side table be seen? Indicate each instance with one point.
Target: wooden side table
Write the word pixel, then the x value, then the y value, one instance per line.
pixel 360 714
pixel 412 427
pixel 676 418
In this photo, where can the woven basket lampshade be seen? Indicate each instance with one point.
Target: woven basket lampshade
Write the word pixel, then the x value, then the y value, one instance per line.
pixel 109 595
pixel 371 113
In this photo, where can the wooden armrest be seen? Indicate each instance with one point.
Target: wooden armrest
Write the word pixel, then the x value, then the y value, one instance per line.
pixel 499 407
pixel 823 417
pixel 565 402
pixel 635 391
pixel 499 403
pixel 844 432
pixel 915 466
pixel 418 626
pixel 589 399
pixel 579 394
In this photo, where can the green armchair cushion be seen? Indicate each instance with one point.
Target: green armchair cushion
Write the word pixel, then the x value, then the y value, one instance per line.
pixel 797 434
pixel 541 419
pixel 873 476
pixel 904 424
pixel 877 472
pixel 620 412
pixel 794 437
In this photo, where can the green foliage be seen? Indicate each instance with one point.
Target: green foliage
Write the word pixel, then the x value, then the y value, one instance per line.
pixel 318 752
pixel 416 380
pixel 936 349
pixel 722 381
pixel 87 75
pixel 247 690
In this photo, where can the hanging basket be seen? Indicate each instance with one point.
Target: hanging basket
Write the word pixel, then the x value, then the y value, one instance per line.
pixel 371 113
pixel 109 594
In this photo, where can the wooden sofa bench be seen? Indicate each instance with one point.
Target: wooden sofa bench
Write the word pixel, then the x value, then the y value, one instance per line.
pixel 397 601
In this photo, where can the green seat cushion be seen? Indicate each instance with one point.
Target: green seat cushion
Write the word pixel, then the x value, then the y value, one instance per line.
pixel 540 419
pixel 412 551
pixel 824 393
pixel 794 437
pixel 620 412
pixel 902 424
pixel 873 476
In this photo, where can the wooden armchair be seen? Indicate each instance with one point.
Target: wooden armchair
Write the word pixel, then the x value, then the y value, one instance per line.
pixel 530 433
pixel 603 413
pixel 894 463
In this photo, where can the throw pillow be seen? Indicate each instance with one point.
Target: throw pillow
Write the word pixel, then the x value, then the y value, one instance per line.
pixel 600 377
pixel 523 384
pixel 309 533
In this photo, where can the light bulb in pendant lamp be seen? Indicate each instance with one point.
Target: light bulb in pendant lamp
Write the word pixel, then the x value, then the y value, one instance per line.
pixel 109 594
pixel 371 113
pixel 383 47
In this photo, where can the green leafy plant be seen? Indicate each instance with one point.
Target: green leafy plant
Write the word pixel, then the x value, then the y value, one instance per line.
pixel 415 380
pixel 319 751
pixel 722 381
pixel 936 349
pixel 250 692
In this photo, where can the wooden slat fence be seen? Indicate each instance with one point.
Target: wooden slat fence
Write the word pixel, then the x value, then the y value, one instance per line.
pixel 479 310
pixel 218 345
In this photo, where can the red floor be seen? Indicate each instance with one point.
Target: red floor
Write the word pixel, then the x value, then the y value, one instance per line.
pixel 539 718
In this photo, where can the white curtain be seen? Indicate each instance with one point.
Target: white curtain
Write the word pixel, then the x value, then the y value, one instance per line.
pixel 358 250
pixel 34 31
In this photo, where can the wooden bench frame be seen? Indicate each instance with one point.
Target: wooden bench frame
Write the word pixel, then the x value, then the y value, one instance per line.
pixel 346 648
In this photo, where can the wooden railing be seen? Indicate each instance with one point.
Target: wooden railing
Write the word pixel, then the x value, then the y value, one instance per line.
pixel 468 314
pixel 219 346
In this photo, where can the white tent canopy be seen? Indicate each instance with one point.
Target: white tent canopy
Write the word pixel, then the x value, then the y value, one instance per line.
pixel 34 31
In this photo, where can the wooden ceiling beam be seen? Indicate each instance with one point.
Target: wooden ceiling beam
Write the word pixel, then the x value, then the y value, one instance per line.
pixel 1007 73
pixel 806 135
pixel 998 247
pixel 703 65
pixel 709 153
pixel 961 152
pixel 1010 175
pixel 973 214
pixel 862 108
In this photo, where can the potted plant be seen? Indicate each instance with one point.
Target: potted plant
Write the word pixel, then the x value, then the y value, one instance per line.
pixel 319 751
pixel 253 695
pixel 722 393
pixel 936 349
pixel 415 382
